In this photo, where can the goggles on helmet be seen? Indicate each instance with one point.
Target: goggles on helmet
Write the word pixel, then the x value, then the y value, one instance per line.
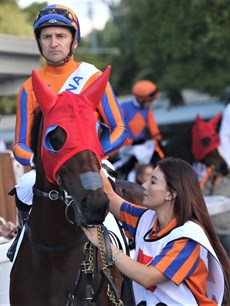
pixel 59 11
pixel 61 14
pixel 152 94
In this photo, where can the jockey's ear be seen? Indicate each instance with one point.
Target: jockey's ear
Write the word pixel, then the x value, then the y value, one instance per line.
pixel 96 90
pixel 45 96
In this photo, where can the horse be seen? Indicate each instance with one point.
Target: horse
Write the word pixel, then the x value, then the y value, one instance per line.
pixel 55 265
pixel 198 143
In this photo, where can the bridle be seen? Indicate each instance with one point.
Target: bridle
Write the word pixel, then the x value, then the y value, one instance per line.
pixel 87 265
pixel 55 195
pixel 87 268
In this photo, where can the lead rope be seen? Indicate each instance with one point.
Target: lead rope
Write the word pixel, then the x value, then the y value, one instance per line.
pixel 105 268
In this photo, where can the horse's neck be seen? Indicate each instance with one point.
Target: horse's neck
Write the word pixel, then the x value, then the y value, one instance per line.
pixel 180 146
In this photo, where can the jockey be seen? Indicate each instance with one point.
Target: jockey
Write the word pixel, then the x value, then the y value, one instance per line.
pixel 140 119
pixel 57 33
pixel 138 114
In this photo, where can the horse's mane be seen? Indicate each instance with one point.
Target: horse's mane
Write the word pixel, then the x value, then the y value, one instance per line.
pixel 35 132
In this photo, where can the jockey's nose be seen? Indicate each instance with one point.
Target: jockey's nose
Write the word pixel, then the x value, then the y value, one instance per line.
pixel 53 41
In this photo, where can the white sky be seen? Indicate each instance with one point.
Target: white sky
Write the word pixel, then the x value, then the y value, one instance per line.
pixel 100 12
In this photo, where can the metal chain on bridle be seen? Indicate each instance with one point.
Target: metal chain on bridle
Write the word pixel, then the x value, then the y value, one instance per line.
pixel 110 292
pixel 87 267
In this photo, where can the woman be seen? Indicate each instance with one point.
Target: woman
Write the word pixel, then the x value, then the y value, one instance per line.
pixel 178 253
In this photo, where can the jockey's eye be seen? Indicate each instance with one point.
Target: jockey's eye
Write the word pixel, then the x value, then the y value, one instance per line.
pixel 54 139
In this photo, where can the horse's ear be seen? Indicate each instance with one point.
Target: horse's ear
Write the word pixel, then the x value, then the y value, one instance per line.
pixel 215 121
pixel 95 91
pixel 197 119
pixel 45 96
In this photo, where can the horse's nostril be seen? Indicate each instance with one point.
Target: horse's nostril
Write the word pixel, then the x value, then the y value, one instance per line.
pixel 93 209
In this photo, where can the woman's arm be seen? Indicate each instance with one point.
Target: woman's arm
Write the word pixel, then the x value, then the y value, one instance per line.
pixel 146 276
pixel 115 200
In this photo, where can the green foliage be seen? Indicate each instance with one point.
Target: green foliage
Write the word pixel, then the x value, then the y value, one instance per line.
pixel 13 21
pixel 32 10
pixel 177 44
pixel 8 105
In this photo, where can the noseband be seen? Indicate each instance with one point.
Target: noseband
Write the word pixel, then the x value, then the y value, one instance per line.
pixel 89 180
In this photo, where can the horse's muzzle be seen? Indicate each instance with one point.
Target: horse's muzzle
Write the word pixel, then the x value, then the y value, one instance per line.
pixel 91 210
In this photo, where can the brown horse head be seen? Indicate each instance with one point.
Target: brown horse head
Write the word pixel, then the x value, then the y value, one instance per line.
pixel 205 143
pixel 71 152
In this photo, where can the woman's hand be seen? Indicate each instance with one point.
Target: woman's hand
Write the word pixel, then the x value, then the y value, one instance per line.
pixel 91 234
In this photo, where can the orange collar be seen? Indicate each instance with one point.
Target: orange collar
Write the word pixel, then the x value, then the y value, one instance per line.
pixel 155 233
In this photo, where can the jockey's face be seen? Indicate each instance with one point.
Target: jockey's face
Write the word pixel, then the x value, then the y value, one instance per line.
pixel 55 44
pixel 145 103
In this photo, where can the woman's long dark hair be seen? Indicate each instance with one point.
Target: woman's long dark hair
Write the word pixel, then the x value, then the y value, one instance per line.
pixel 190 205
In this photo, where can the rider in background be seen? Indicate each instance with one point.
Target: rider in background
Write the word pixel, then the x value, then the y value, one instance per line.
pixel 140 120
pixel 57 33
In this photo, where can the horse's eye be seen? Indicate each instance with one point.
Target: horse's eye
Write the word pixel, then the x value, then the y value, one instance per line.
pixel 55 138
pixel 205 141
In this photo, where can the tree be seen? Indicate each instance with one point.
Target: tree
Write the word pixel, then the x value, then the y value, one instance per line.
pixel 177 43
pixel 13 20
pixel 32 10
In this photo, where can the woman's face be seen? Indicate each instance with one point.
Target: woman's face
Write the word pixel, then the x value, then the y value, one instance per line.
pixel 156 190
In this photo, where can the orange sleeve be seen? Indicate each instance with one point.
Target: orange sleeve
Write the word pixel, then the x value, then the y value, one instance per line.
pixel 153 127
